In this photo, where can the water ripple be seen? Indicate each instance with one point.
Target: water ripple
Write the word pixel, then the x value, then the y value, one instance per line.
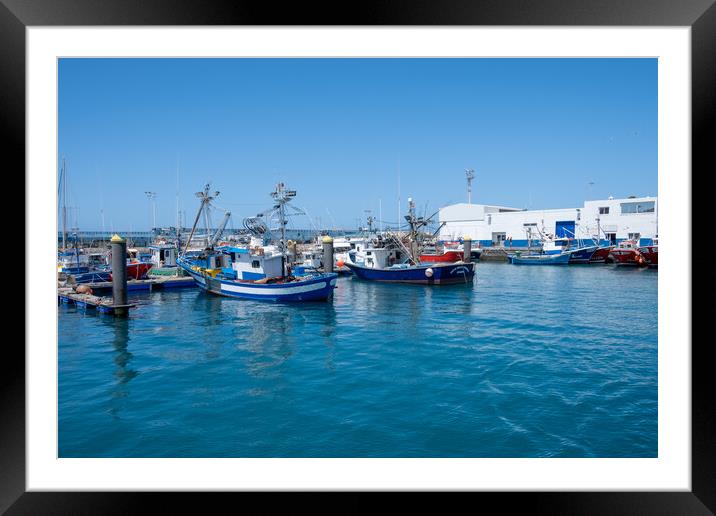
pixel 527 362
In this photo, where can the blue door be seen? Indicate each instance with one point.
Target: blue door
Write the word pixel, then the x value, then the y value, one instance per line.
pixel 564 228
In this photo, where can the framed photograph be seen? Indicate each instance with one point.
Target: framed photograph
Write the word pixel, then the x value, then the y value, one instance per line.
pixel 276 253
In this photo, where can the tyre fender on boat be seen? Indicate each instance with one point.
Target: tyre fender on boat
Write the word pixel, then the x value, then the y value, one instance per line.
pixel 429 272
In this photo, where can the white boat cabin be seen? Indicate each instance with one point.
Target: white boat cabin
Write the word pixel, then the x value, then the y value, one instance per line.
pixel 378 258
pixel 248 264
pixel 556 245
pixel 344 245
pixel 312 259
pixel 163 255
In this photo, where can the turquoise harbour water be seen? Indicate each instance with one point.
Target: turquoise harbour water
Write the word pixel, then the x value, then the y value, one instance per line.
pixel 526 362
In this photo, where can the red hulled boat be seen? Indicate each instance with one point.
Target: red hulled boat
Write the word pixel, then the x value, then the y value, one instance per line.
pixel 601 254
pixel 136 269
pixel 650 254
pixel 445 257
pixel 627 253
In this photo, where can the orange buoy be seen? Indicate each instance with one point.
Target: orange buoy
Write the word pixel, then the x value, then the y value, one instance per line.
pixel 340 263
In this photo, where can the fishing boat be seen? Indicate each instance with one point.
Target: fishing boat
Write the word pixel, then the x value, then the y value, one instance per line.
pixel 540 259
pixel 582 254
pixel 628 253
pixel 259 272
pixel 577 250
pixel 651 253
pixel 344 245
pixel 73 261
pixel 601 254
pixel 394 258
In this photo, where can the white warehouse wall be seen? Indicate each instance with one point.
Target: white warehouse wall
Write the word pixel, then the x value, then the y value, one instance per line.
pixel 482 222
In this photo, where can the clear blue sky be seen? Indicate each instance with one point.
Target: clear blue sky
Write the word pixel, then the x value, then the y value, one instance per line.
pixel 536 131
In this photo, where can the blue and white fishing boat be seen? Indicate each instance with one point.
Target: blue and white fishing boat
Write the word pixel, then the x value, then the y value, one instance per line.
pixel 582 254
pixel 390 259
pixel 579 253
pixel 257 271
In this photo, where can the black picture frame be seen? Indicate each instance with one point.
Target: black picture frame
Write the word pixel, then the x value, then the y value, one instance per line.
pixel 16 15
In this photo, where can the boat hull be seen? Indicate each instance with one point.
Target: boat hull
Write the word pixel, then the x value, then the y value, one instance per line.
pixel 92 277
pixel 650 254
pixel 439 274
pixel 582 255
pixel 317 287
pixel 601 254
pixel 631 257
pixel 137 270
pixel 541 259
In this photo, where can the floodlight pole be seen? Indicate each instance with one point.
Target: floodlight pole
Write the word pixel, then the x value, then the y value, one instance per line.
pixel 470 175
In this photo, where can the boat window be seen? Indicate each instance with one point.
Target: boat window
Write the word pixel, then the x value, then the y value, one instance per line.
pixel 255 264
pixel 369 253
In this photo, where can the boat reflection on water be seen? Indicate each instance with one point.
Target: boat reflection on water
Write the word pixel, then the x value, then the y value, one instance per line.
pixel 269 335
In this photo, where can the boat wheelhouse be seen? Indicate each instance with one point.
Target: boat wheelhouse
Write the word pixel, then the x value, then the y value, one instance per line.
pixel 163 255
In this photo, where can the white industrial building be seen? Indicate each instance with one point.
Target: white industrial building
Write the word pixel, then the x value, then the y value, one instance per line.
pixel 612 219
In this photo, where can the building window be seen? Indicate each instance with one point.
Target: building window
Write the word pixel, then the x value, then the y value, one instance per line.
pixel 255 264
pixel 637 207
pixel 489 220
pixel 604 210
pixel 634 236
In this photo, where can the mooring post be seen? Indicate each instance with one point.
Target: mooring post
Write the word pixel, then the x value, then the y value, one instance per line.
pixel 467 249
pixel 119 274
pixel 327 254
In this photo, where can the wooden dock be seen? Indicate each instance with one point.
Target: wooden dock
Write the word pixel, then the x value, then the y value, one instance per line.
pixel 149 284
pixel 103 305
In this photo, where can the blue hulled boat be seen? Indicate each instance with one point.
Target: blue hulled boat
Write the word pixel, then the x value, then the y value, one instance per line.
pixel 431 274
pixel 394 258
pixel 582 254
pixel 258 271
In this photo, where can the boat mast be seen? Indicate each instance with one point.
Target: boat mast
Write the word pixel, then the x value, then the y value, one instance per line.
pixel 205 200
pixel 63 174
pixel 413 230
pixel 282 196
